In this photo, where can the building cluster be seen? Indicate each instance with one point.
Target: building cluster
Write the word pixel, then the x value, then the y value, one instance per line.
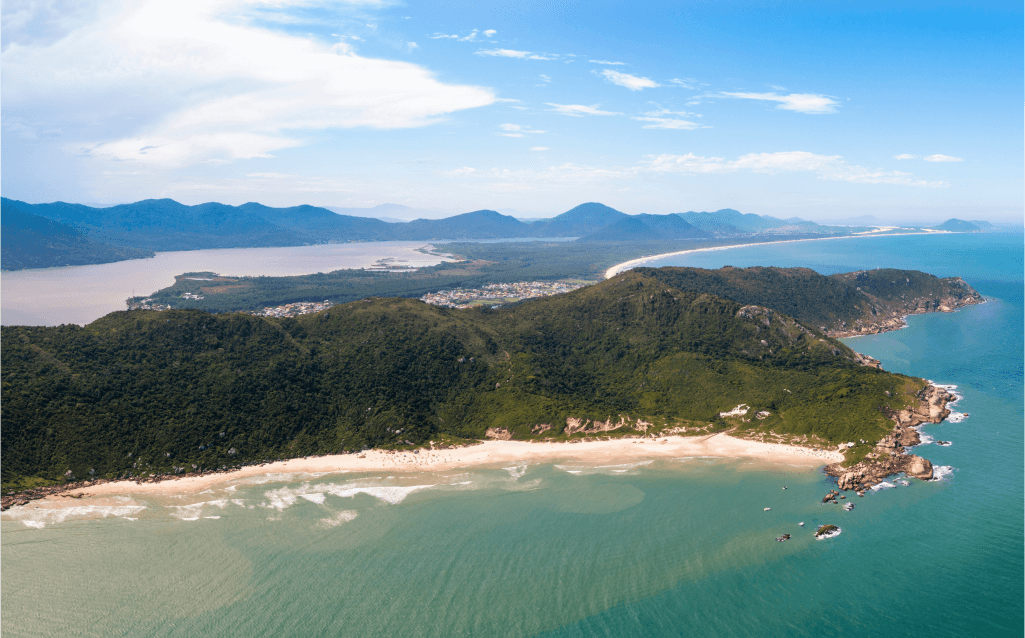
pixel 293 309
pixel 496 294
pixel 146 304
pixel 191 295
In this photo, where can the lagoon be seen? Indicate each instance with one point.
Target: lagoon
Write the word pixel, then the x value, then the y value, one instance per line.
pixel 81 294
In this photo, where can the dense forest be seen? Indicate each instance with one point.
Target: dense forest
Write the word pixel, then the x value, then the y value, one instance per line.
pixel 138 393
pixel 836 303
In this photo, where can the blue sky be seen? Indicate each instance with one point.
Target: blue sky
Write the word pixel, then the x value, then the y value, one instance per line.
pixel 823 110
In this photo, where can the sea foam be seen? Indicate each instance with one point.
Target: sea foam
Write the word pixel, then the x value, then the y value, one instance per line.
pixel 940 472
pixel 39 518
pixel 622 468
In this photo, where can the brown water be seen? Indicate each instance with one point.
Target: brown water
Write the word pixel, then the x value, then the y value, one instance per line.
pixel 81 294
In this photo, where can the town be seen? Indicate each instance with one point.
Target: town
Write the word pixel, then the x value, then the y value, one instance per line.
pixel 497 294
pixel 293 309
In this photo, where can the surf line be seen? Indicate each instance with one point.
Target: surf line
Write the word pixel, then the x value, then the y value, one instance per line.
pixel 633 263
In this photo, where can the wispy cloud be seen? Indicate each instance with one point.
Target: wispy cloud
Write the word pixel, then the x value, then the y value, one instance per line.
pixel 578 110
pixel 668 123
pixel 517 130
pixel 632 82
pixel 904 156
pixel 471 37
pixel 512 53
pixel 544 78
pixel 801 102
pixel 607 62
pixel 489 33
pixel 942 158
pixel 829 167
pixel 539 148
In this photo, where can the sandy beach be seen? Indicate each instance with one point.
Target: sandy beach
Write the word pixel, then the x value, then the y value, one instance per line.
pixel 633 263
pixel 486 454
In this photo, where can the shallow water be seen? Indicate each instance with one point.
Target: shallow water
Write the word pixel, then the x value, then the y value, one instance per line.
pixel 669 548
pixel 81 294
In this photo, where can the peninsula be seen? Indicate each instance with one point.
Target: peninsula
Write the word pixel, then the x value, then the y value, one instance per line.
pixel 146 395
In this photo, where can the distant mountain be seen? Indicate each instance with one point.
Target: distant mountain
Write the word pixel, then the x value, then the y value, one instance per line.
pixel 646 227
pixel 577 222
pixel 320 224
pixel 957 226
pixel 481 224
pixel 31 241
pixel 983 225
pixel 732 222
pixel 388 212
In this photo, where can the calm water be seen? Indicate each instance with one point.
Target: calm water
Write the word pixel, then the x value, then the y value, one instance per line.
pixel 81 294
pixel 670 548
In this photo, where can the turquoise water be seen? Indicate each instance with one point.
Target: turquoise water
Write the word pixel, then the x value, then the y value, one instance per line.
pixel 670 548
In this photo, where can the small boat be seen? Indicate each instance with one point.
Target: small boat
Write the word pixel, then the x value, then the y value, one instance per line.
pixel 784 487
pixel 767 509
pixel 801 523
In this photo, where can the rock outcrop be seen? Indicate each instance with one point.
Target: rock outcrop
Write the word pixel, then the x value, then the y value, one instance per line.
pixel 889 456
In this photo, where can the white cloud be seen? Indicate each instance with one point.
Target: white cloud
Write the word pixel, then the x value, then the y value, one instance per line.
pixel 539 148
pixel 412 45
pixel 522 55
pixel 668 123
pixel 607 62
pixel 490 33
pixel 516 130
pixel 904 156
pixel 197 81
pixel 578 110
pixel 631 82
pixel 829 167
pixel 472 37
pixel 942 158
pixel 800 102
pixel 544 78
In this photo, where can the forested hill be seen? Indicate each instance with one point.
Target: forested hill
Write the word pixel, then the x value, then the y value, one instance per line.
pixel 31 241
pixel 842 304
pixel 144 392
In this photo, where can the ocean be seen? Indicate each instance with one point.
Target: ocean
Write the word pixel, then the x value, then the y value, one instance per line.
pixel 669 548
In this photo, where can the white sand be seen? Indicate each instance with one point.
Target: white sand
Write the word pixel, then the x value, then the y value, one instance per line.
pixel 627 265
pixel 490 453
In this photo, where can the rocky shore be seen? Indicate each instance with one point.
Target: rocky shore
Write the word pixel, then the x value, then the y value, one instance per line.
pixel 892 316
pixel 889 456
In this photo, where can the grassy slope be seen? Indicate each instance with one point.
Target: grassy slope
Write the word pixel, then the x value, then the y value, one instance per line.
pixel 163 387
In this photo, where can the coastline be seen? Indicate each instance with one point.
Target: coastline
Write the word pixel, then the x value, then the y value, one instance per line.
pixel 633 263
pixel 487 453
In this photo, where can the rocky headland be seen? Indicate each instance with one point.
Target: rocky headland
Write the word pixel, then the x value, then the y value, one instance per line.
pixel 890 312
pixel 889 456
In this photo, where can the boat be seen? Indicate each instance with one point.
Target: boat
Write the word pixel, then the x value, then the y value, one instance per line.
pixel 767 509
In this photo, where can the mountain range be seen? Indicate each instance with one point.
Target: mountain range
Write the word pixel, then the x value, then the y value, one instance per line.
pixel 58 234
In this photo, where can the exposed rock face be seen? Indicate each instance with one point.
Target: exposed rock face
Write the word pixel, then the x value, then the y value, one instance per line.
pixel 498 434
pixel 889 313
pixel 919 468
pixel 850 480
pixel 890 456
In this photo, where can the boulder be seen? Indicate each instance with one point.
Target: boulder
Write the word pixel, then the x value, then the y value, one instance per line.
pixel 919 468
pixel 850 480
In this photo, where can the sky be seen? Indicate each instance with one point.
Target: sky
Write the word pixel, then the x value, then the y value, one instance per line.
pixel 904 111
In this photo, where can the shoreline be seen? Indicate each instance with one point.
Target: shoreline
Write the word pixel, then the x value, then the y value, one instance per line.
pixel 633 263
pixel 487 453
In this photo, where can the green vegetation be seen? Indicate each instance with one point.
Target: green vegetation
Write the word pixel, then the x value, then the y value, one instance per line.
pixel 480 264
pixel 138 393
pixel 831 303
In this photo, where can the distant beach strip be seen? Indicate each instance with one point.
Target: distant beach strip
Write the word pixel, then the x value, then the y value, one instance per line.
pixel 633 263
